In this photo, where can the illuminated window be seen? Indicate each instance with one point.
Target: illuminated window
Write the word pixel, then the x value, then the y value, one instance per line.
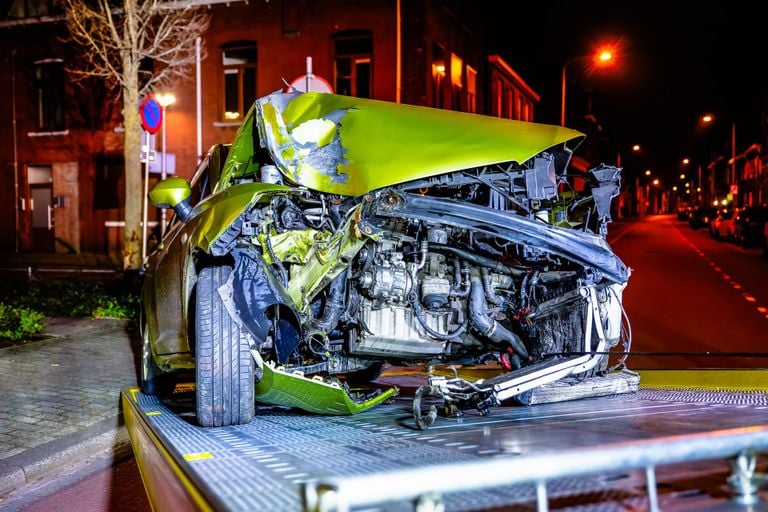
pixel 496 98
pixel 439 71
pixel 238 61
pixel 471 89
pixel 49 95
pixel 457 81
pixel 352 63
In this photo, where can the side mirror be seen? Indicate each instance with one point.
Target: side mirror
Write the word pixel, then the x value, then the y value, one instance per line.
pixel 173 192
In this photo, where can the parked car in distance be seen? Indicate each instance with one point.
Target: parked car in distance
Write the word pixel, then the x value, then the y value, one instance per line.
pixel 684 212
pixel 765 240
pixel 701 216
pixel 748 225
pixel 721 227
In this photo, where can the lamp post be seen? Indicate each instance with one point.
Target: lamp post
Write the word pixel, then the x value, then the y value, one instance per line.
pixel 165 100
pixel 602 58
pixel 708 119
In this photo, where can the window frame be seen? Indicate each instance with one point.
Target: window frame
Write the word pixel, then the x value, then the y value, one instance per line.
pixel 240 70
pixel 357 60
pixel 49 95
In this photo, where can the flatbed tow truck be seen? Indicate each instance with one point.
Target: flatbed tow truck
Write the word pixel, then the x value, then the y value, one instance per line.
pixel 687 440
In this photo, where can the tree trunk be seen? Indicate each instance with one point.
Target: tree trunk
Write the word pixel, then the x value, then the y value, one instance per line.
pixel 132 236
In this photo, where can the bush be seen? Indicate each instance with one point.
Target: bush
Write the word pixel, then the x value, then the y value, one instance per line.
pixel 19 323
pixel 72 298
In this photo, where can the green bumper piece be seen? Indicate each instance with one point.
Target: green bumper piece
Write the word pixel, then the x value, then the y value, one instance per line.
pixel 279 387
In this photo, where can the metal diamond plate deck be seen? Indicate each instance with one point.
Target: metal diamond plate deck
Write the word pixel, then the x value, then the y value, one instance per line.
pixel 261 465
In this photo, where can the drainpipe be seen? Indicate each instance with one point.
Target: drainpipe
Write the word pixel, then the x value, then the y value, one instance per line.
pixel 398 51
pixel 199 102
pixel 15 152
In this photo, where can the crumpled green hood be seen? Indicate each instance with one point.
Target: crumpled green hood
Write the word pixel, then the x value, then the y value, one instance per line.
pixel 351 146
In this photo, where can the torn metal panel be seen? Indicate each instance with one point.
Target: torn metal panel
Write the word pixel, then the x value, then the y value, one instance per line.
pixel 351 146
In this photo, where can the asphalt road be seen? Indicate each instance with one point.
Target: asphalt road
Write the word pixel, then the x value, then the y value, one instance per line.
pixel 691 294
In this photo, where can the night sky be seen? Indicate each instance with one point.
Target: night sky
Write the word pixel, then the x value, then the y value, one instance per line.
pixel 677 62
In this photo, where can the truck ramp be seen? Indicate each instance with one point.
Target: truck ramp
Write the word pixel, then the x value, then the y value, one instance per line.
pixel 683 443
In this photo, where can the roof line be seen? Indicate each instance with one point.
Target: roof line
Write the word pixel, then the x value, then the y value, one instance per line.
pixel 499 61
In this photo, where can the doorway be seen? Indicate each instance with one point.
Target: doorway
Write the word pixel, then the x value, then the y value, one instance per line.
pixel 40 180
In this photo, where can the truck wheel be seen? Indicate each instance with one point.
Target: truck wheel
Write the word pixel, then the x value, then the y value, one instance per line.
pixel 152 380
pixel 224 366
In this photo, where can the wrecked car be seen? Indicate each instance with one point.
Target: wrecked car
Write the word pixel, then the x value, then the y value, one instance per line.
pixel 337 234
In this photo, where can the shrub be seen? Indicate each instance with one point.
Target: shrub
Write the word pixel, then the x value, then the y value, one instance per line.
pixel 72 298
pixel 19 323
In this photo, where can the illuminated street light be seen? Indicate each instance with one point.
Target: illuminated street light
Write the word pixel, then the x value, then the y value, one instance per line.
pixel 682 176
pixel 674 189
pixel 656 181
pixel 709 118
pixel 165 100
pixel 604 57
pixel 647 172
pixel 686 161
pixel 636 147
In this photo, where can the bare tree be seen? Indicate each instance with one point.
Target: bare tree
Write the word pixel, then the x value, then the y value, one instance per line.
pixel 116 38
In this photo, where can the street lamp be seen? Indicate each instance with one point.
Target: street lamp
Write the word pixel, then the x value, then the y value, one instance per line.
pixel 604 57
pixel 708 119
pixel 165 100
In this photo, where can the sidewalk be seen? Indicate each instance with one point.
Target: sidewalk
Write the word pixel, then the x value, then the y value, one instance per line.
pixel 60 398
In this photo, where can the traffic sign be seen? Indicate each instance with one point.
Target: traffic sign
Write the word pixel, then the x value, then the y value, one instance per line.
pixel 151 114
pixel 311 83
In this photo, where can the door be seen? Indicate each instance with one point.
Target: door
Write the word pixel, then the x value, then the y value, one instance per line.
pixel 40 179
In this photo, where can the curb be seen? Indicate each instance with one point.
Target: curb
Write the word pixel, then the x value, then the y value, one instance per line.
pixel 54 457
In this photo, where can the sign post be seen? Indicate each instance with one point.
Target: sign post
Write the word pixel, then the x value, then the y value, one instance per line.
pixel 151 118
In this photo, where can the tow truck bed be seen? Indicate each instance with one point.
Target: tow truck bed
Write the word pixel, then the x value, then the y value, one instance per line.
pixel 282 455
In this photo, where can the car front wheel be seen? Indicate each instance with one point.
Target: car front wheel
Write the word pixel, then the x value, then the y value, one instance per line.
pixel 223 366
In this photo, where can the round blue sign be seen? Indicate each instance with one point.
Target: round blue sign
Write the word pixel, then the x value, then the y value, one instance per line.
pixel 151 114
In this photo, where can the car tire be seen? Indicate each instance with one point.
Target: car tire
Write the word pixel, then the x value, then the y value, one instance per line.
pixel 152 380
pixel 224 365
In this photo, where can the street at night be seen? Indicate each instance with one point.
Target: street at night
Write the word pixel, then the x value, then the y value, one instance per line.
pixel 690 293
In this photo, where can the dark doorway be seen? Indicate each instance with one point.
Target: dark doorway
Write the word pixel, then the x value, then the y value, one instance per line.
pixel 40 179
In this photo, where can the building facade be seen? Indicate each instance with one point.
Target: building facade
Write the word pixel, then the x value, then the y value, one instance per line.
pixel 62 185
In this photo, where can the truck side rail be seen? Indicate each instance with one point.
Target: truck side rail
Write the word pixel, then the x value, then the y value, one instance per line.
pixel 426 484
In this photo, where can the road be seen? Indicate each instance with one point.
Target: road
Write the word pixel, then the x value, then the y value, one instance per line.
pixel 690 293
pixel 687 294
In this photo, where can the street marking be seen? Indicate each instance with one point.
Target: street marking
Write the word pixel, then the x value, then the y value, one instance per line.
pixel 747 297
pixel 153 413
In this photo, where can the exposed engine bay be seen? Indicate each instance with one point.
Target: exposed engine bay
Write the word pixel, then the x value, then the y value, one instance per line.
pixel 504 263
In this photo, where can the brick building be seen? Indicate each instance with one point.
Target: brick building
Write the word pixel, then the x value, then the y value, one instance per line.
pixel 61 186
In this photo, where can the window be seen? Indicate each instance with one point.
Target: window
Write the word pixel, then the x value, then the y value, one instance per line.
pixel 49 95
pixel 353 50
pixel 238 61
pixel 457 81
pixel 438 76
pixel 471 89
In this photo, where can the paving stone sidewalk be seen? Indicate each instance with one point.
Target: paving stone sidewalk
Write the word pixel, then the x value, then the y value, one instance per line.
pixel 60 397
